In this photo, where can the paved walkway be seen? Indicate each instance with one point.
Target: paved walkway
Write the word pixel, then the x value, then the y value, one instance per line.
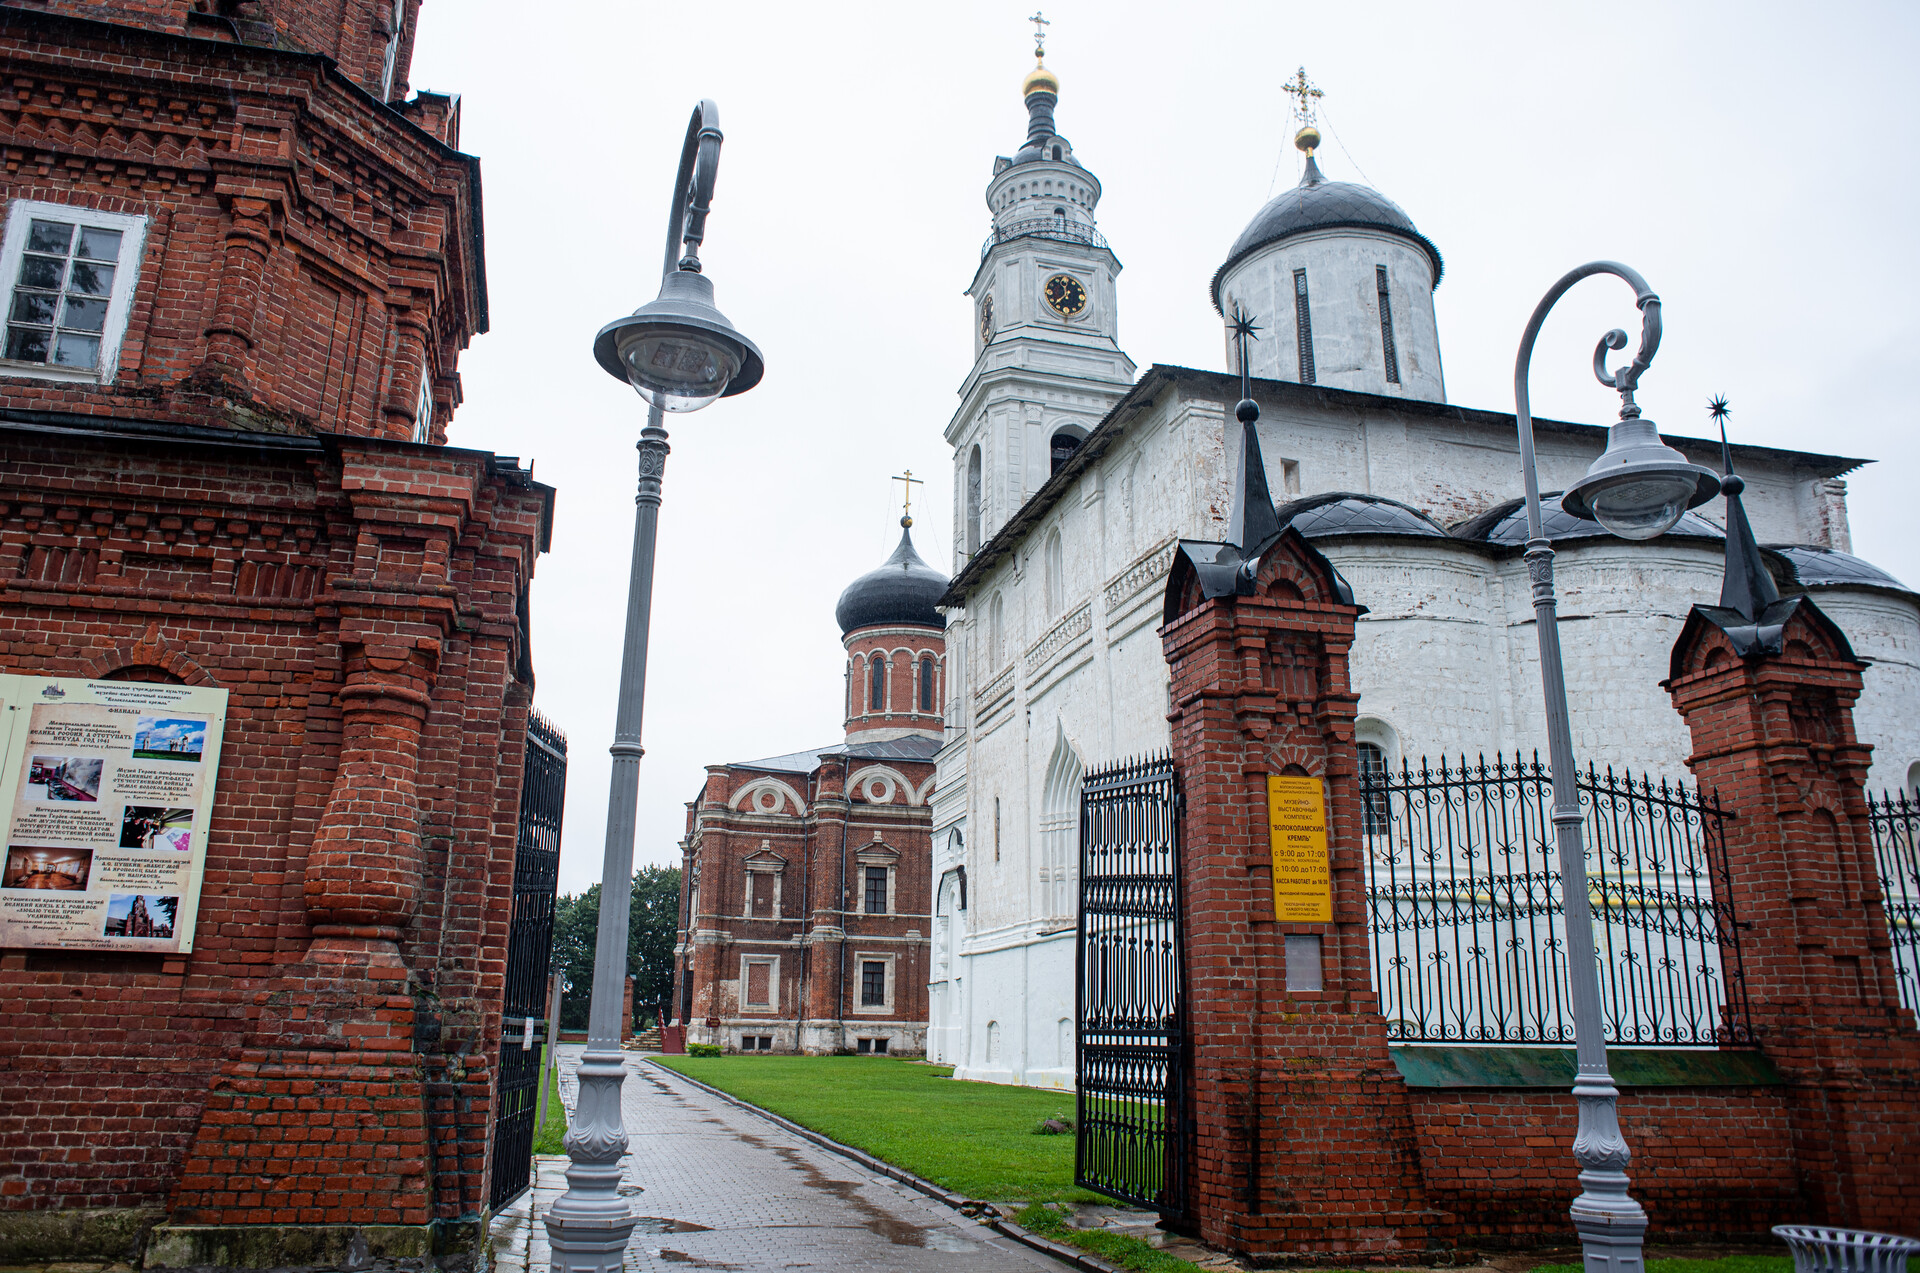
pixel 722 1188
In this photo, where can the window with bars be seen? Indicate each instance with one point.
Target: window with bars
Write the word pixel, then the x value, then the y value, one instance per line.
pixel 1303 325
pixel 876 890
pixel 70 273
pixel 1391 355
pixel 1373 805
pixel 873 983
pixel 926 683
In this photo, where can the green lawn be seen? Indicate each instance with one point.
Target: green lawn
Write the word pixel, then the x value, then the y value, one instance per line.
pixel 976 1139
pixel 547 1139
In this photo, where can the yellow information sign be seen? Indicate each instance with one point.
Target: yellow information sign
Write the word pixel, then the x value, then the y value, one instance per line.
pixel 1297 818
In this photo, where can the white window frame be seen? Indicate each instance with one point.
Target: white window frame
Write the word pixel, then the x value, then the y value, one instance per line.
pixel 772 1006
pixel 423 410
pixel 390 62
pixel 860 962
pixel 126 280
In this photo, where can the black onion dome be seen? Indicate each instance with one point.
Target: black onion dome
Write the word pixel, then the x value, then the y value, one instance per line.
pixel 903 591
pixel 1319 204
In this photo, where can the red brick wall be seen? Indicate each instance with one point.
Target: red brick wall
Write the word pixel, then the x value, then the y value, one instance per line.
pixel 1708 1163
pixel 903 648
pixel 104 1080
pixel 307 254
pixel 817 903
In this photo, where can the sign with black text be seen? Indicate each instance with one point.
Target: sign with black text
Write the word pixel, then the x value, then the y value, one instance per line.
pixel 107 789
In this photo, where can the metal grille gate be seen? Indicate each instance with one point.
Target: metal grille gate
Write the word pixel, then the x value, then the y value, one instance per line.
pixel 1895 819
pixel 536 878
pixel 1134 1128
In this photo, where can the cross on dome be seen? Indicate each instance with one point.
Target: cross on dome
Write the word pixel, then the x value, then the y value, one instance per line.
pixel 1040 26
pixel 1306 98
pixel 910 481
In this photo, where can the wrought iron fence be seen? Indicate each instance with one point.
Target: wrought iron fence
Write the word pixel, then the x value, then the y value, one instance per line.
pixel 1131 1141
pixel 1467 913
pixel 1895 819
pixel 536 876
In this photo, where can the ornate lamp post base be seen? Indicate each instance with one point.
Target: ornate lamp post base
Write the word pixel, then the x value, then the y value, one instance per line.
pixel 589 1225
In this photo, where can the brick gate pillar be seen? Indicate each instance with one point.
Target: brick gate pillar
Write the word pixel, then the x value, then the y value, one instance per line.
pixel 1769 701
pixel 1304 1142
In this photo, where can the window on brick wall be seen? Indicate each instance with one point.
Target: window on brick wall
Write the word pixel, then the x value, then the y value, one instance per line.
pixel 876 890
pixel 926 683
pixel 423 411
pixel 70 274
pixel 390 61
pixel 877 684
pixel 873 983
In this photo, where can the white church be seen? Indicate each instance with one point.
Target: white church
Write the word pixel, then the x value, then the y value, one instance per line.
pixel 1074 478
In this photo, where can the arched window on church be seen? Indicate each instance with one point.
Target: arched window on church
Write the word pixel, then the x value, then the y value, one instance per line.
pixel 1065 442
pixel 877 683
pixel 1060 831
pixel 973 501
pixel 1056 571
pixel 926 682
pixel 997 634
pixel 1374 810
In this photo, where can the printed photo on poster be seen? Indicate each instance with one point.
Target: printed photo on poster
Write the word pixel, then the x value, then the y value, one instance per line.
pixel 161 738
pixel 108 789
pixel 144 826
pixel 70 778
pixel 29 866
pixel 147 915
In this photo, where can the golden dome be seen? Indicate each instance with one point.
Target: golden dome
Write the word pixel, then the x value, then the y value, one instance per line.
pixel 1040 80
pixel 1307 139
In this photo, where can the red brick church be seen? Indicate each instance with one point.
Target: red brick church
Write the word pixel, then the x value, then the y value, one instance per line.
pixel 806 897
pixel 241 263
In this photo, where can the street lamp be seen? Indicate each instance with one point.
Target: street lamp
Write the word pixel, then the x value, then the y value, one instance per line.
pixel 1637 489
pixel 680 353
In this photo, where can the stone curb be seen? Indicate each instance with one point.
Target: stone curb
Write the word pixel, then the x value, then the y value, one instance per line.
pixel 972 1209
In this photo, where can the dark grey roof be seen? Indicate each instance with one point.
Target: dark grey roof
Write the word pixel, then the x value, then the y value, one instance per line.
pixel 902 591
pixel 1350 513
pixel 913 747
pixel 1825 568
pixel 1506 523
pixel 1319 204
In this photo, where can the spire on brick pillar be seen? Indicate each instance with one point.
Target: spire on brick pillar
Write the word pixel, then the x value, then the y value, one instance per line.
pixel 1748 587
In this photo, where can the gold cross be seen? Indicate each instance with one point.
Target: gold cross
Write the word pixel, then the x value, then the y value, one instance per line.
pixel 1304 96
pixel 1040 26
pixel 910 481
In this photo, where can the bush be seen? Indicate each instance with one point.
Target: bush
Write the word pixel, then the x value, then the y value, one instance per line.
pixel 705 1049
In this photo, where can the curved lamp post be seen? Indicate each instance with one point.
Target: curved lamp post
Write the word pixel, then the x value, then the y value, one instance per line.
pixel 680 353
pixel 1637 489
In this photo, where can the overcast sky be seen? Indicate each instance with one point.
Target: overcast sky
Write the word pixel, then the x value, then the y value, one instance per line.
pixel 1755 161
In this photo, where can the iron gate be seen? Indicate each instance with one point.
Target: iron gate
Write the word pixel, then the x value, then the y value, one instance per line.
pixel 1895 819
pixel 1133 1132
pixel 536 878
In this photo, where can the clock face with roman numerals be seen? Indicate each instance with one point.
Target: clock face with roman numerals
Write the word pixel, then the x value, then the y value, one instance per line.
pixel 1066 294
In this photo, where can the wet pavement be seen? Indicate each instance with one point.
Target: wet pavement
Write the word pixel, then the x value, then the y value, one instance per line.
pixel 723 1188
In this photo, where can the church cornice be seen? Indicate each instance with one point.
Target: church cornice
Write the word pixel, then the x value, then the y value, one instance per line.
pixel 1222 387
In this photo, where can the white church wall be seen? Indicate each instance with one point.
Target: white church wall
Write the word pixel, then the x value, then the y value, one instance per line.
pixel 1885 631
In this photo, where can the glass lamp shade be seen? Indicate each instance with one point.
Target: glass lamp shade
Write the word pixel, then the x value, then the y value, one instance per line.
pixel 676 369
pixel 678 351
pixel 1639 486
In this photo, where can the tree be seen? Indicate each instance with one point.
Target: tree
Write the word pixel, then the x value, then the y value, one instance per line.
pixel 652 921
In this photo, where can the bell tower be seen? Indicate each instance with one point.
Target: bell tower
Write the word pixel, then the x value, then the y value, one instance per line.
pixel 1047 359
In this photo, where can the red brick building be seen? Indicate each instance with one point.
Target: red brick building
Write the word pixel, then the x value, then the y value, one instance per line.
pixel 241 267
pixel 806 897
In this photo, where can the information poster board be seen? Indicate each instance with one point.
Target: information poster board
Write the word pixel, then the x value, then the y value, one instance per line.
pixel 1297 820
pixel 107 788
